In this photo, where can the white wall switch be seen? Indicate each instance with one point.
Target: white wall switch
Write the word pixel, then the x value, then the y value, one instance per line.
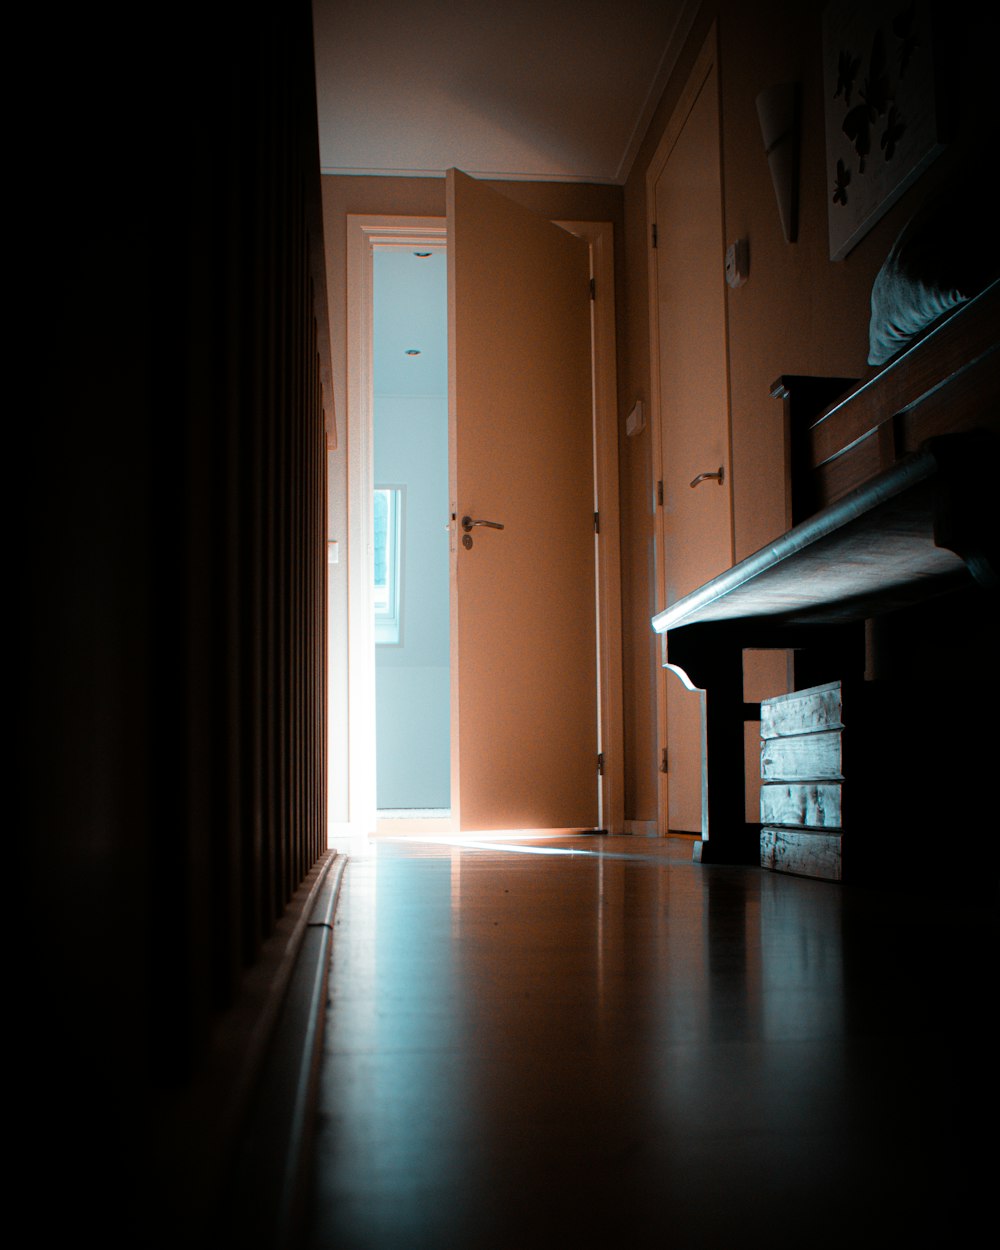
pixel 634 422
pixel 737 262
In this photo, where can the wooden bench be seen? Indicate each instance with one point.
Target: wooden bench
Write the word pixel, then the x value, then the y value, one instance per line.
pixel 920 530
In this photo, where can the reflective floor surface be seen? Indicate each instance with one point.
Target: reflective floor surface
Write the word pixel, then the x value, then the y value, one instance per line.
pixel 595 1041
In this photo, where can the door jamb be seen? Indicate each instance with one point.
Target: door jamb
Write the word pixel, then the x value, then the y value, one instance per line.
pixel 611 714
pixel 707 58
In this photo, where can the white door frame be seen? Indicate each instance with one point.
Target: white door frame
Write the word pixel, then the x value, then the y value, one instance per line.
pixel 364 232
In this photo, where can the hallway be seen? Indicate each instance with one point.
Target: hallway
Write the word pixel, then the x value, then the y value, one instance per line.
pixel 578 1041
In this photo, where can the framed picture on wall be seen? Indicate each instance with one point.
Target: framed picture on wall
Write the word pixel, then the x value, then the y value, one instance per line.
pixel 881 110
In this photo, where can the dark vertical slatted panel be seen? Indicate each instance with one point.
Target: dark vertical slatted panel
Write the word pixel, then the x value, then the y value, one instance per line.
pixel 173 652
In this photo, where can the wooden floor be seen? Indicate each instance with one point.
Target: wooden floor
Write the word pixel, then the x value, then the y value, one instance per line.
pixel 595 1041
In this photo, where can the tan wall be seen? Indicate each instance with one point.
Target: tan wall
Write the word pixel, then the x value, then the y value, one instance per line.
pixel 798 312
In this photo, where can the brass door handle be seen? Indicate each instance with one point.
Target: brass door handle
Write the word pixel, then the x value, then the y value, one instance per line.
pixel 719 476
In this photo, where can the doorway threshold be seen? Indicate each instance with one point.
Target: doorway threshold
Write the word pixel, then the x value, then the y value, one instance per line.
pixel 413 820
pixel 412 813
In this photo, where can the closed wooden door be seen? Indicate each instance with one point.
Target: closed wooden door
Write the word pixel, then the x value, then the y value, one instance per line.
pixel 690 360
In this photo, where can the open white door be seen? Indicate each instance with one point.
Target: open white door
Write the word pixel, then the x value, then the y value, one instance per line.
pixel 524 697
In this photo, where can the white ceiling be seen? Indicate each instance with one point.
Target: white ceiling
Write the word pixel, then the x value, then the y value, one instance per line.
pixel 538 89
pixel 410 313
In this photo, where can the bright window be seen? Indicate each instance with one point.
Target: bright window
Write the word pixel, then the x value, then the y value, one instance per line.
pixel 388 535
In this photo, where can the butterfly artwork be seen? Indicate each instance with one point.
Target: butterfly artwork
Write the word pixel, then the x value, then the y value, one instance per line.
pixel 848 66
pixel 843 182
pixel 895 128
pixel 873 103
pixel 881 123
pixel 904 29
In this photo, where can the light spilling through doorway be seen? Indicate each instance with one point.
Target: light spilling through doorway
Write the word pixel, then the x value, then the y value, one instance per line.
pixel 354 701
pixel 410 573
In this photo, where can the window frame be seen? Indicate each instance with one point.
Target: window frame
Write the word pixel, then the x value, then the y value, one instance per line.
pixel 387 608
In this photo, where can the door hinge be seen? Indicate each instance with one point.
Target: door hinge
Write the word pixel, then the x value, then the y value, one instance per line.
pixel 600 763
pixel 663 761
pixel 659 493
pixel 593 289
pixel 655 237
pixel 597 522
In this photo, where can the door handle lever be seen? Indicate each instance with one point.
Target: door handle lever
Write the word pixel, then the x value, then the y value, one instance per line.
pixel 718 476
pixel 468 523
